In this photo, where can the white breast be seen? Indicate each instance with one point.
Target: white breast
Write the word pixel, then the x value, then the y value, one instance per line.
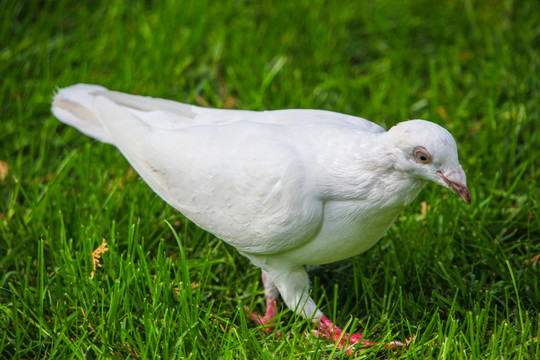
pixel 346 231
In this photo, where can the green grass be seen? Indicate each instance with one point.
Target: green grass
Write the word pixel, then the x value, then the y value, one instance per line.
pixel 454 279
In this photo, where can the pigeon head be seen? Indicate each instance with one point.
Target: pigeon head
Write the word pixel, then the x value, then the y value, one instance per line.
pixel 427 151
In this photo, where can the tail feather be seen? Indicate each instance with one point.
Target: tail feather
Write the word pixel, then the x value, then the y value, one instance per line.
pixel 76 106
pixel 73 106
pixel 148 104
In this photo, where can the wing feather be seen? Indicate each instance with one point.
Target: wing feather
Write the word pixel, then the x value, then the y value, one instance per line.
pixel 248 177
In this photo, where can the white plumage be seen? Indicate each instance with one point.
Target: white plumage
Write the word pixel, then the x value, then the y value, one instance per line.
pixel 286 188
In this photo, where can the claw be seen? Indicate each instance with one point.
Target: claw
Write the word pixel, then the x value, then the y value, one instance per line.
pixel 325 329
pixel 329 331
pixel 268 318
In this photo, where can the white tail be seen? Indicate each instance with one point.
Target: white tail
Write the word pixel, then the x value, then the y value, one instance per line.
pixel 74 106
pixel 89 107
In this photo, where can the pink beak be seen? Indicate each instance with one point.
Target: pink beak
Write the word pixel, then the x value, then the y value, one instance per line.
pixel 460 189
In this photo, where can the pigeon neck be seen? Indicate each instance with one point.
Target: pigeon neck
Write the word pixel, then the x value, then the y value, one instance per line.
pixel 398 185
pixel 367 171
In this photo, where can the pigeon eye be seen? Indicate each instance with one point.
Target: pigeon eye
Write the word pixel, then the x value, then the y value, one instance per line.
pixel 422 155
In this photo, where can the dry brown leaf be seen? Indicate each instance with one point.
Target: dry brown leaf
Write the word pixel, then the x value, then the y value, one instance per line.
pixel 4 168
pixel 96 255
pixel 230 102
pixel 201 101
pixel 88 321
pixel 194 285
pixel 423 212
pixel 441 110
pixel 45 178
pixel 410 340
pixel 126 177
pixel 534 260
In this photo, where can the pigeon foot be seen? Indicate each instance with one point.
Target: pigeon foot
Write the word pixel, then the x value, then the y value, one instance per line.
pixel 327 330
pixel 268 319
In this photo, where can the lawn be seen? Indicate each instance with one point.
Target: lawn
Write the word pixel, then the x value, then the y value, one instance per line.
pixel 454 281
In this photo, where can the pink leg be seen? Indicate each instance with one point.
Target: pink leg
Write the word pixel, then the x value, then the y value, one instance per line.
pixel 272 303
pixel 268 318
pixel 328 330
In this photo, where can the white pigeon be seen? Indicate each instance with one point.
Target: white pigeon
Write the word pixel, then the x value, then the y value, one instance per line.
pixel 286 188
